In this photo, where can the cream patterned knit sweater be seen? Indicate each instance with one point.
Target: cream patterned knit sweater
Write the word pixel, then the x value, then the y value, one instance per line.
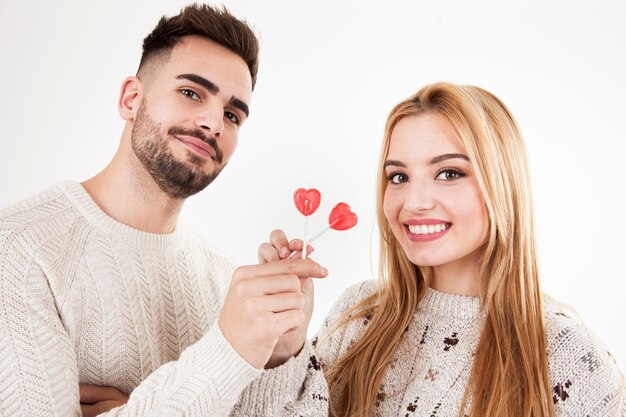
pixel 430 370
pixel 86 299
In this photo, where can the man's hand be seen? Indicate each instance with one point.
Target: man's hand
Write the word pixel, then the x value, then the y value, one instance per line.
pixel 95 400
pixel 263 303
pixel 290 343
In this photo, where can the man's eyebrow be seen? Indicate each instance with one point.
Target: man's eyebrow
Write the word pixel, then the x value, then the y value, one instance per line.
pixel 447 156
pixel 214 89
pixel 394 163
pixel 240 105
pixel 195 78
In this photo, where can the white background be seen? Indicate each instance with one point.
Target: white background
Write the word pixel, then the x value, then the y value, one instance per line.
pixel 330 72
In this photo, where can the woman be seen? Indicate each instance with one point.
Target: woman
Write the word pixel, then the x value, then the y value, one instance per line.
pixel 457 325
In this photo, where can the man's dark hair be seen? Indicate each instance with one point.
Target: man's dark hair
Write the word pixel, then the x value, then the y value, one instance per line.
pixel 208 22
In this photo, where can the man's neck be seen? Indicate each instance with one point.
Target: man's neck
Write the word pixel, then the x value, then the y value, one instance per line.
pixel 126 192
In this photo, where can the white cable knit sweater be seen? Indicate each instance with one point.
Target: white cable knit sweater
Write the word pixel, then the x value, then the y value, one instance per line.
pixel 86 299
pixel 431 366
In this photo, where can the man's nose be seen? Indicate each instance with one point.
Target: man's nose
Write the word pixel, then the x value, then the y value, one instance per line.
pixel 211 120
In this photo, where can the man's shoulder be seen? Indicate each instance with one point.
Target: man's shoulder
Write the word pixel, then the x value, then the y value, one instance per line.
pixel 37 217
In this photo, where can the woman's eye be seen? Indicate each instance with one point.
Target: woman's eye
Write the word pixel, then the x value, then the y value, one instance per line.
pixel 190 93
pixel 397 178
pixel 449 175
pixel 232 117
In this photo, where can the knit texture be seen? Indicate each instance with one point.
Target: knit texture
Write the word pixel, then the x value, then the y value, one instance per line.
pixel 431 367
pixel 86 299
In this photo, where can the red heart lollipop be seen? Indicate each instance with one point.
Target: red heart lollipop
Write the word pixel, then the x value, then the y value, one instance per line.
pixel 342 218
pixel 307 201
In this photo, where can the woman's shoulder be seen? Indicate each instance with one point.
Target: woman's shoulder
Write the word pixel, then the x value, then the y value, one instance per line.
pixel 352 295
pixel 565 331
pixel 583 373
pixel 338 320
pixel 357 292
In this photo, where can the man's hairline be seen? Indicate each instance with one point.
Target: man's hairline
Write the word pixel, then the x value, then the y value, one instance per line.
pixel 166 54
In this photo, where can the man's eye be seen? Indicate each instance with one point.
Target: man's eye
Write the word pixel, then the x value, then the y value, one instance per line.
pixel 397 178
pixel 190 93
pixel 232 117
pixel 449 175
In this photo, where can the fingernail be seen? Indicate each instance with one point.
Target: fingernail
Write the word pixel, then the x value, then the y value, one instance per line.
pixel 284 252
pixel 324 271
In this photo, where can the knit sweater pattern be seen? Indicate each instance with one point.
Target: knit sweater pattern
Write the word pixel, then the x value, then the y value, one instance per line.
pixel 86 299
pixel 429 372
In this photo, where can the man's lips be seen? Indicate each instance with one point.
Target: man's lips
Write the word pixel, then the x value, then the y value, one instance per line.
pixel 198 145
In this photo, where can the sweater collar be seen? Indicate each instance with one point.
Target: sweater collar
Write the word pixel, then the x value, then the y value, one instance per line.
pixel 449 305
pixel 94 214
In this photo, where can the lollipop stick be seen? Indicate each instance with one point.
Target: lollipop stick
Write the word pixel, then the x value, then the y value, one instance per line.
pixel 304 239
pixel 320 233
pixel 306 224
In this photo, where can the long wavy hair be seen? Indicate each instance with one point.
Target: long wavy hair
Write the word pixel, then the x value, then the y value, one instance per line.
pixel 512 345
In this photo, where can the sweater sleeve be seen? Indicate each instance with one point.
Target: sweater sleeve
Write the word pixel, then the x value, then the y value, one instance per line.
pixel 298 387
pixel 38 369
pixel 585 378
pixel 207 379
pixel 39 372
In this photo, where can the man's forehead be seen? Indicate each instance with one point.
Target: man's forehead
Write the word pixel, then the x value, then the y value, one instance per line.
pixel 203 51
pixel 197 55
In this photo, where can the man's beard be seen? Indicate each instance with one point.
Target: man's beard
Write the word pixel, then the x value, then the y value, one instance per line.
pixel 177 179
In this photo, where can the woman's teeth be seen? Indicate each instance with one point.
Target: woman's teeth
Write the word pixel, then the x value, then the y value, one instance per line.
pixel 426 229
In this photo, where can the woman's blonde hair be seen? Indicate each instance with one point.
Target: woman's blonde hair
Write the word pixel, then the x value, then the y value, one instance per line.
pixel 509 376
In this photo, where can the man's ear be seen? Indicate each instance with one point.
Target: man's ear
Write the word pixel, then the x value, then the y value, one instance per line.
pixel 130 98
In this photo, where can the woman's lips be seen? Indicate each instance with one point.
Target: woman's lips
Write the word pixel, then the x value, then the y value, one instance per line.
pixel 426 229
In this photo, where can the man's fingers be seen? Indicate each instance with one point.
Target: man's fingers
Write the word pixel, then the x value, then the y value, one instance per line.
pixel 268 253
pixel 279 303
pixel 278 239
pixel 280 248
pixel 92 410
pixel 89 410
pixel 296 245
pixel 301 267
pixel 298 253
pixel 289 320
pixel 260 286
pixel 95 399
pixel 90 394
pixel 306 286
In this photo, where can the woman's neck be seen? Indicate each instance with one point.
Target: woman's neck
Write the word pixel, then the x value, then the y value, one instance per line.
pixel 460 277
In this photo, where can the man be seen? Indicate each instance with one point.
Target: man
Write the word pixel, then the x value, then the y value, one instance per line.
pixel 100 287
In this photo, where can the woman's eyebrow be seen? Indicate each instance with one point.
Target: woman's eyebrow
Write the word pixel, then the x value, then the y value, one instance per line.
pixel 447 156
pixel 393 162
